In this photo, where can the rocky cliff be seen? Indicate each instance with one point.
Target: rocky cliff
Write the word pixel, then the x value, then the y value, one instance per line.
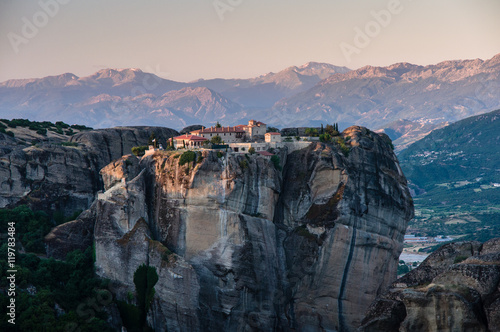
pixel 455 289
pixel 61 173
pixel 48 176
pixel 242 243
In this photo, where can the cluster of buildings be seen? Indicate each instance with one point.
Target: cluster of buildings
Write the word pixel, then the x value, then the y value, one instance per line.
pixel 410 238
pixel 239 138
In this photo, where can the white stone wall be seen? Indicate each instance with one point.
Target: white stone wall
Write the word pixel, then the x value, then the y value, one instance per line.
pixel 243 147
pixel 178 144
pixel 226 137
pixel 273 138
pixel 253 130
pixel 261 130
pixel 292 146
pixel 309 138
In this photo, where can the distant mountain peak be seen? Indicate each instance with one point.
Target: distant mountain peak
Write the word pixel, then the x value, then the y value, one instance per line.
pixel 363 72
pixel 375 96
pixel 115 71
pixel 68 75
pixel 371 71
pixel 119 76
pixel 494 60
pixel 403 67
pixel 313 64
pixel 311 68
pixel 192 91
pixel 311 93
pixel 449 71
pixel 48 81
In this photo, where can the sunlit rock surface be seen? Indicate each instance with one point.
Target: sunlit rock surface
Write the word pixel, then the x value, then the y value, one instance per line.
pixel 240 244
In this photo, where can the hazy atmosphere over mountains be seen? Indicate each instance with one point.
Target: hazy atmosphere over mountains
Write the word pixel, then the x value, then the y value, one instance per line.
pixel 144 98
pixel 375 96
pixel 425 97
pixel 232 165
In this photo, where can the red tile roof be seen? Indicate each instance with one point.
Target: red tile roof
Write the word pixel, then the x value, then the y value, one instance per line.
pixel 190 138
pixel 273 133
pixel 220 130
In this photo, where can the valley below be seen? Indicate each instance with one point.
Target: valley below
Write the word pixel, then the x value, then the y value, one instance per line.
pixel 455 180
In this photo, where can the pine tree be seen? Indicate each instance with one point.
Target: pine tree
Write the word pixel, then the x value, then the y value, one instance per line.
pixel 152 139
pixel 322 131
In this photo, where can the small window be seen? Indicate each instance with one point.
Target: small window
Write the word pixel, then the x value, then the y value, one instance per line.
pixel 242 149
pixel 235 149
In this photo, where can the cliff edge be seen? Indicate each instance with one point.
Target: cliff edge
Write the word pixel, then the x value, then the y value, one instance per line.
pixel 241 242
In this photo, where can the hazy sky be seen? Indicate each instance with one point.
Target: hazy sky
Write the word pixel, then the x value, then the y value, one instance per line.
pixel 189 39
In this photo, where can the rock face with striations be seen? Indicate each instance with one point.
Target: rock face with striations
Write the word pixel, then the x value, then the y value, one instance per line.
pixel 243 243
pixel 455 289
pixel 49 177
pixel 112 143
pixel 55 176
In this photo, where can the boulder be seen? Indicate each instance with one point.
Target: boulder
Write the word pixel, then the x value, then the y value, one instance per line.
pixel 455 289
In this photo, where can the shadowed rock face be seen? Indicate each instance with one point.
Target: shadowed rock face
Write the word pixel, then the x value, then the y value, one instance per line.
pixel 73 235
pixel 110 144
pixel 240 245
pixel 454 289
pixel 49 176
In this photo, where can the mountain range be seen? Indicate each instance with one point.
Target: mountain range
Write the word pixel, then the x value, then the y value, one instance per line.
pixel 406 101
pixel 113 97
pixel 376 96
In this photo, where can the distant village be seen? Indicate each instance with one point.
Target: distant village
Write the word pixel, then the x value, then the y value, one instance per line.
pixel 411 238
